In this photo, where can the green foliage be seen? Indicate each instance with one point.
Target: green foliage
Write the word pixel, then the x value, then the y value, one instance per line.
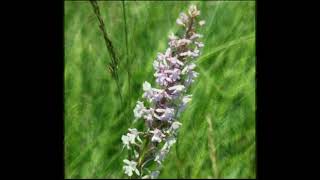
pixel 224 93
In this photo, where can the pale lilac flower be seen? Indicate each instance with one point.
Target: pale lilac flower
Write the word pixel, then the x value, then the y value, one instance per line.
pixel 160 94
pixel 191 75
pixel 161 57
pixel 175 43
pixel 167 114
pixel 179 22
pixel 148 115
pixel 154 174
pixel 187 53
pixel 126 141
pixel 169 142
pixel 135 133
pixel 157 65
pixel 172 36
pixel 175 125
pixel 172 40
pixel 183 19
pixel 172 43
pixel 185 100
pixel 175 60
pixel 188 68
pixel 157 135
pixel 182 42
pixel 202 22
pixel 153 94
pixel 193 11
pixel 199 44
pixel 196 36
pixel 161 155
pixel 173 75
pixel 162 78
pixel 196 52
pixel 129 167
pixel 147 86
pixel 139 109
pixel 190 53
pixel 148 91
pixel 177 89
pixel 168 52
pixel 129 139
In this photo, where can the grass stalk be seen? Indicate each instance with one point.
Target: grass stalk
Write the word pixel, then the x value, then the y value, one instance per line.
pixel 113 65
pixel 127 51
pixel 213 155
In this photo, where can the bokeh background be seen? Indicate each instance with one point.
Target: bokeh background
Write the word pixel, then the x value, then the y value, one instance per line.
pixel 217 139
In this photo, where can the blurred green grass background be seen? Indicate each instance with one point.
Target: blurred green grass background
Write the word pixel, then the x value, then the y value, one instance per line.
pixel 217 138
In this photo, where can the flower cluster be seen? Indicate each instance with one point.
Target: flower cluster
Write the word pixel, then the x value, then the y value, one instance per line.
pixel 174 73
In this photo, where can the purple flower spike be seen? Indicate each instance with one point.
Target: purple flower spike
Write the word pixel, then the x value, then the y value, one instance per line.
pixel 174 74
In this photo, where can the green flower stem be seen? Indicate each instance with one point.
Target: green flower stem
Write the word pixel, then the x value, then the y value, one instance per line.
pixel 141 157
